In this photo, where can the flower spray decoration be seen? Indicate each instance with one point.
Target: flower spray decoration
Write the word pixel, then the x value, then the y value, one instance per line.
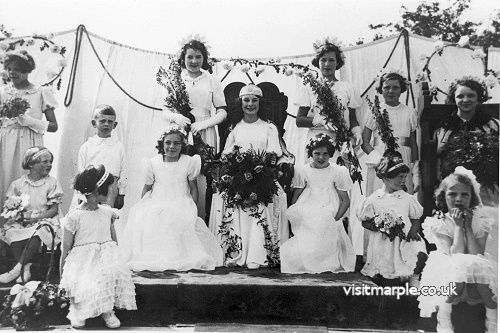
pixel 15 44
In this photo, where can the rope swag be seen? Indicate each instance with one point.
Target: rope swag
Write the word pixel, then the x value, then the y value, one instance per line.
pixel 333 110
pixel 384 127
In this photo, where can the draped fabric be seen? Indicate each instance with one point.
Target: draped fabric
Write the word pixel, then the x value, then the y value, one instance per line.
pixel 494 64
pixel 138 127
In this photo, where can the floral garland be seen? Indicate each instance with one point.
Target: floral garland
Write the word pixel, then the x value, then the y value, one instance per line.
pixel 9 43
pixel 231 242
pixel 491 78
pixel 476 150
pixel 272 247
pixel 384 127
pixel 177 96
pixel 333 110
pixel 388 223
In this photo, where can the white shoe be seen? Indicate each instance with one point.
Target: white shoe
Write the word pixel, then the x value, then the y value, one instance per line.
pixel 252 265
pixel 111 320
pixel 26 275
pixel 77 323
pixel 11 275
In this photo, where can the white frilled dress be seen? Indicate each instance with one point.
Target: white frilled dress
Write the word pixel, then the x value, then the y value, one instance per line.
pixel 346 94
pixel 397 258
pixel 319 244
pixel 16 139
pixel 403 121
pixel 442 268
pixel 260 136
pixel 163 231
pixel 42 193
pixel 94 275
pixel 204 92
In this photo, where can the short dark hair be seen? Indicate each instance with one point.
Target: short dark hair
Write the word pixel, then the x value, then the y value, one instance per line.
pixel 22 58
pixel 160 145
pixel 86 181
pixel 387 163
pixel 198 46
pixel 469 82
pixel 235 111
pixel 328 47
pixel 392 76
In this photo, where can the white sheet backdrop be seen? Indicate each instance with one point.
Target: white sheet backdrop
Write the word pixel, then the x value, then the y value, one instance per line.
pixel 138 126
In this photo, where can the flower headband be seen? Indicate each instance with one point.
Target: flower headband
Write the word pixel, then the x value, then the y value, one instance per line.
pixel 460 170
pixel 18 54
pixel 173 128
pixel 183 42
pixel 321 138
pixel 319 44
pixel 384 73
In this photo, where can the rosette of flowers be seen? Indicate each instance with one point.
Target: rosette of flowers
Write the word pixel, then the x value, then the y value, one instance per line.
pixel 388 223
pixel 247 180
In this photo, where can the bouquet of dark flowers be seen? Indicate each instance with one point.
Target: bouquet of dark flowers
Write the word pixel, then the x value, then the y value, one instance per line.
pixel 177 97
pixel 14 107
pixel 34 306
pixel 333 111
pixel 389 223
pixel 474 150
pixel 248 178
pixel 383 125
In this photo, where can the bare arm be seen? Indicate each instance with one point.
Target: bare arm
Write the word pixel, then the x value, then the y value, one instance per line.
pixel 344 203
pixel 302 119
pixel 113 230
pixel 193 189
pixel 413 146
pixel 366 135
pixel 146 189
pixel 458 245
pixel 296 194
pixel 51 118
pixel 67 245
pixel 30 217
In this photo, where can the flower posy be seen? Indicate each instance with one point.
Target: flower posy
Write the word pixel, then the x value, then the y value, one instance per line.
pixel 14 107
pixel 15 205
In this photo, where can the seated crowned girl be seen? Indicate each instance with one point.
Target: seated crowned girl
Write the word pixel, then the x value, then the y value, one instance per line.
pixel 460 231
pixel 163 231
pixel 320 200
pixel 395 249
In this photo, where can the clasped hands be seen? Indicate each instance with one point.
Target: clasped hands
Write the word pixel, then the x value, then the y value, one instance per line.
pixel 462 217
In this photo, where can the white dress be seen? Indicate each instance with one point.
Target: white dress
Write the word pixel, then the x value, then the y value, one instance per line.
pixel 163 231
pixel 204 92
pixel 319 243
pixel 42 193
pixel 347 96
pixel 403 121
pixel 16 139
pixel 261 136
pixel 94 275
pixel 442 268
pixel 397 258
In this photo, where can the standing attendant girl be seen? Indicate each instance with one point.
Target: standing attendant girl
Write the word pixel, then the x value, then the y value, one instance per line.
pixel 397 258
pixel 92 272
pixel 25 131
pixel 163 231
pixel 460 233
pixel 320 200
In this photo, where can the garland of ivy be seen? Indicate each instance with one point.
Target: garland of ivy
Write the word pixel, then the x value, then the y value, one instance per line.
pixel 384 127
pixel 272 248
pixel 231 242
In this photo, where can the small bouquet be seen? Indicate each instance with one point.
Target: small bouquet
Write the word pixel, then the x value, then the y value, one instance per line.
pixel 14 107
pixel 247 178
pixel 388 223
pixel 14 207
pixel 177 97
pixel 34 306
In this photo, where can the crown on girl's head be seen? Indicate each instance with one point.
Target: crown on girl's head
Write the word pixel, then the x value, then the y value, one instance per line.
pixel 173 128
pixel 320 138
pixel 18 54
pixel 320 43
pixel 460 170
pixel 196 37
pixel 384 72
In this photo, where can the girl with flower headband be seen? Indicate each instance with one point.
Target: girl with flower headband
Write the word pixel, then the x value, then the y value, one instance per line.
pixel 320 200
pixel 26 130
pixel 400 258
pixel 206 98
pixel 92 272
pixel 44 196
pixel 460 231
pixel 251 131
pixel 329 58
pixel 403 123
pixel 163 231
